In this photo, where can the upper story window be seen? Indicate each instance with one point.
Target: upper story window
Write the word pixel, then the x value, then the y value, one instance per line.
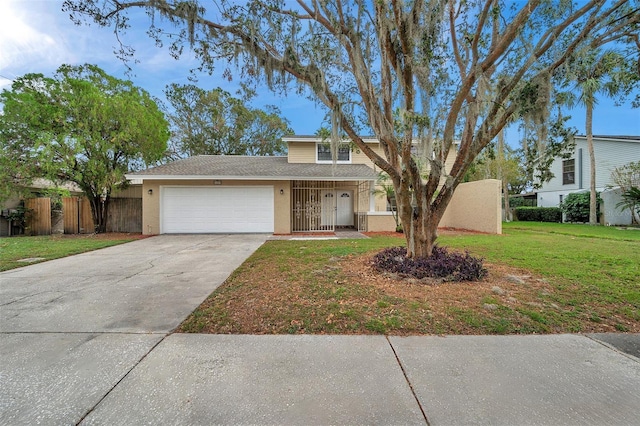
pixel 569 172
pixel 323 153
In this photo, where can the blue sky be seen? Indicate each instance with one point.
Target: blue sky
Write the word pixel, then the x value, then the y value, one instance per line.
pixel 36 36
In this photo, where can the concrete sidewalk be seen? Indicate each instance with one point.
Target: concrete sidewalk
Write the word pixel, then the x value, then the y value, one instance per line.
pixel 192 379
pixel 506 380
pixel 87 340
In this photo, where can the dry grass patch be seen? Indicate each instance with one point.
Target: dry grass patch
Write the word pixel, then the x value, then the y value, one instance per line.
pixel 330 287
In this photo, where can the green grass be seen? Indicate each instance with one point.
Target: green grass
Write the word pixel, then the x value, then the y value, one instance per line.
pixel 575 230
pixel 601 262
pixel 584 279
pixel 48 247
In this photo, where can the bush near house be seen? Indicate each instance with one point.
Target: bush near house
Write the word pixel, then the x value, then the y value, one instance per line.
pixel 576 206
pixel 540 214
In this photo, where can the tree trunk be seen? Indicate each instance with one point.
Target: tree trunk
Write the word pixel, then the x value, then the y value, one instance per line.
pixel 420 225
pixel 423 235
pixel 99 209
pixel 501 176
pixel 505 191
pixel 593 218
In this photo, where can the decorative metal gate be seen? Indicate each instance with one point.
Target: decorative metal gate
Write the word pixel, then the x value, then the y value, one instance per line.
pixel 363 205
pixel 315 205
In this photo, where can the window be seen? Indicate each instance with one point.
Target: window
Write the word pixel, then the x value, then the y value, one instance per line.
pixel 324 153
pixel 391 203
pixel 568 172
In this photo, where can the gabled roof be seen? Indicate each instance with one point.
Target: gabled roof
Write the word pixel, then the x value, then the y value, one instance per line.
pixel 625 138
pixel 240 167
pixel 318 139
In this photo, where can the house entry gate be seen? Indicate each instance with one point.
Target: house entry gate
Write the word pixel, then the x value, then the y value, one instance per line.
pixel 321 206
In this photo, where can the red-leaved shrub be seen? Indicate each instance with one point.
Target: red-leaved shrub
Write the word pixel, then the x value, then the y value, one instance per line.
pixel 452 266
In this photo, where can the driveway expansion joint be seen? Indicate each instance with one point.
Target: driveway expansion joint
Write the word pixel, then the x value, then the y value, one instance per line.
pixel 121 379
pixel 406 377
pixel 613 348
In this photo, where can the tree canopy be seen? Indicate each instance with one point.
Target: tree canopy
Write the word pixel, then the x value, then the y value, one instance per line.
pixel 433 71
pixel 493 163
pixel 212 122
pixel 82 126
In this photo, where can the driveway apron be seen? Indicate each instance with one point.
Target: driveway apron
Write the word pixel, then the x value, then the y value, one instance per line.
pixel 72 328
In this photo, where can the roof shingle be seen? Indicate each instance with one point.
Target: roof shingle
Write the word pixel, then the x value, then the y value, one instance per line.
pixel 259 168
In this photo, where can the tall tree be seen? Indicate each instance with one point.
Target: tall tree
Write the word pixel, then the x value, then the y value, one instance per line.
pixel 594 72
pixel 213 122
pixel 454 70
pixel 82 126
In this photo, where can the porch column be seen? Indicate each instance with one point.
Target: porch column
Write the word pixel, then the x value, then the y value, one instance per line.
pixel 372 197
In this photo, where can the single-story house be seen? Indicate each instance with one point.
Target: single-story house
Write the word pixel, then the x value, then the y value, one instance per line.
pixel 302 192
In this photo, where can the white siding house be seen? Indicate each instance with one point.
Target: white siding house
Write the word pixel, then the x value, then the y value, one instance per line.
pixel 573 174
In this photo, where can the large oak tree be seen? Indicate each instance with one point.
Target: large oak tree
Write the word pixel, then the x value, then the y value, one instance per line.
pixel 82 126
pixel 435 71
pixel 212 122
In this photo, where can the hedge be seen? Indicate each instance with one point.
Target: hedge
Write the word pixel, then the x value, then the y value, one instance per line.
pixel 576 206
pixel 539 214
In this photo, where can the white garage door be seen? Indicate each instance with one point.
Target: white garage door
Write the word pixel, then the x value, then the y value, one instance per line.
pixel 225 209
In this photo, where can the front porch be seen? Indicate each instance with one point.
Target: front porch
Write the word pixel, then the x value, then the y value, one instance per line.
pixel 324 206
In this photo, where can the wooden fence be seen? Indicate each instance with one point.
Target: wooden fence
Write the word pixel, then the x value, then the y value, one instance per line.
pixel 77 215
pixel 39 217
pixel 125 215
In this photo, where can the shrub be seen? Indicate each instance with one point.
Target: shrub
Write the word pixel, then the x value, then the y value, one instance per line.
pixel 576 206
pixel 441 264
pixel 539 214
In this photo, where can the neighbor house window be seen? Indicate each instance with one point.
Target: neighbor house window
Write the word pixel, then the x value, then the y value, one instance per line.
pixel 324 153
pixel 568 172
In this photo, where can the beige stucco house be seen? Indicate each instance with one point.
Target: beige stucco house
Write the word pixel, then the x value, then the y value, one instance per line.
pixel 302 192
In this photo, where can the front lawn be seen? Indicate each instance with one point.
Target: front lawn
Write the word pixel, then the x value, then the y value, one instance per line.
pixel 47 247
pixel 543 278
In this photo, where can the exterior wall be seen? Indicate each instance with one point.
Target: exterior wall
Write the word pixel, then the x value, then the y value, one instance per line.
pixel 609 155
pixel 381 203
pixel 151 202
pixel 305 152
pixel 613 215
pixel 301 152
pixel 475 206
pixel 380 222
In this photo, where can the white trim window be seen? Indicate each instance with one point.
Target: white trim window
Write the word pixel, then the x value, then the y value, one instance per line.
pixel 569 172
pixel 323 153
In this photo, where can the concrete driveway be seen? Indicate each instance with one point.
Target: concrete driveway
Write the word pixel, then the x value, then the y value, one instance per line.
pixel 72 328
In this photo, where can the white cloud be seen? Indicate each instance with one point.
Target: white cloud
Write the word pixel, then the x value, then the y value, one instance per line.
pixel 28 37
pixel 4 83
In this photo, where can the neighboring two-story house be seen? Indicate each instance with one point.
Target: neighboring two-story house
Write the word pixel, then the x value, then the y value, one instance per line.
pixel 573 174
pixel 302 192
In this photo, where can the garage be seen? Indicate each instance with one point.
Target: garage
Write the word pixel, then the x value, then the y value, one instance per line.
pixel 216 209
